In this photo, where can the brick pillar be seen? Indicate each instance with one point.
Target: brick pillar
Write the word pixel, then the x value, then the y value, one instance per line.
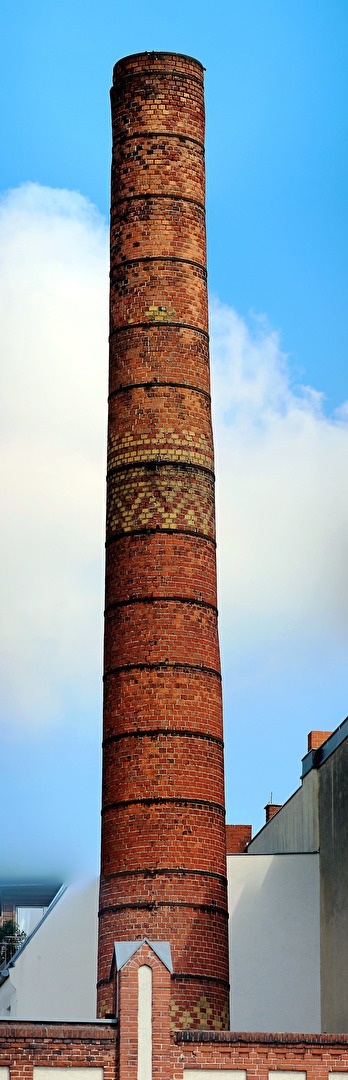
pixel 163 869
pixel 148 1055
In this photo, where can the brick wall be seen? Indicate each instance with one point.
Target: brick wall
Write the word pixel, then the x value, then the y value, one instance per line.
pixel 24 1046
pixel 318 1056
pixel 163 872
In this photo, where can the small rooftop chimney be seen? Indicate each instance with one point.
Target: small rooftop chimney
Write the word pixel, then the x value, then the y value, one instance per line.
pixel 317 738
pixel 272 809
pixel 237 839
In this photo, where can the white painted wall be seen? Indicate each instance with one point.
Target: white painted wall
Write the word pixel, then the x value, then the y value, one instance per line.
pixel 274 942
pixel 55 976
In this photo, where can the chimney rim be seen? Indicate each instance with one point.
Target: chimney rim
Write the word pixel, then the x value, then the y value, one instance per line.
pixel 158 52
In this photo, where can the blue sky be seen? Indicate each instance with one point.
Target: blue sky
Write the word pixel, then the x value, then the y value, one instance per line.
pixel 277 162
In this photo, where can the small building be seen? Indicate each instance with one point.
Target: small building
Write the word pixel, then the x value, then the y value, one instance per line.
pixel 53 974
pixel 288 902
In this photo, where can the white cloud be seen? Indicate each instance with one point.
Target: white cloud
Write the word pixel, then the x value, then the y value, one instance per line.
pixel 282 506
pixel 281 465
pixel 53 333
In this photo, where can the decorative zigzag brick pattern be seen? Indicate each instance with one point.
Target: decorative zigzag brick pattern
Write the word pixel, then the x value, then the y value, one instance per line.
pixel 164 497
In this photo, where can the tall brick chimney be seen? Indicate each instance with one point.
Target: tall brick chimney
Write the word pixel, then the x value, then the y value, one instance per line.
pixel 163 868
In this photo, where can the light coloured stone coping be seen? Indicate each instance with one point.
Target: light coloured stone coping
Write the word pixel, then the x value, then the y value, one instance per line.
pixel 4 1072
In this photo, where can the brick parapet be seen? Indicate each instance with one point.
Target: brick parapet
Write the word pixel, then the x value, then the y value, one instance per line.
pixel 26 1045
pixel 259 1054
pixel 113 1047
pixel 247 1038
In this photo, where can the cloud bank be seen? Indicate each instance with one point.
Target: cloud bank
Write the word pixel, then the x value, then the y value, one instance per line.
pixel 281 466
pixel 53 334
pixel 282 508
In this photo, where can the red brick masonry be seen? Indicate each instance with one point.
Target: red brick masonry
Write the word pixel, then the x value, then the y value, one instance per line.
pixel 25 1045
pixel 317 738
pixel 316 1055
pixel 237 839
pixel 163 866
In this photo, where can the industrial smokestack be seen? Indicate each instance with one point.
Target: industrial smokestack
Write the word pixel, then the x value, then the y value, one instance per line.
pixel 163 868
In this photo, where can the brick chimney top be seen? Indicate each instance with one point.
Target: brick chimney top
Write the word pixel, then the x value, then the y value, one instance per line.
pixel 237 839
pixel 272 809
pixel 317 738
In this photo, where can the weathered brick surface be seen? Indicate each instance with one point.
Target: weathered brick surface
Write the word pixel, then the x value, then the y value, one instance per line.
pixel 319 1056
pixel 150 423
pixel 162 291
pixel 162 698
pixel 237 839
pixel 156 759
pixel 163 831
pixel 147 564
pixel 158 353
pixel 182 836
pixel 24 1046
pixel 179 226
pixel 162 631
pixel 157 162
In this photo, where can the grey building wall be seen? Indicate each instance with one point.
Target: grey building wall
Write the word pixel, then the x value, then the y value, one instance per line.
pixel 316 819
pixel 333 817
pixel 295 828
